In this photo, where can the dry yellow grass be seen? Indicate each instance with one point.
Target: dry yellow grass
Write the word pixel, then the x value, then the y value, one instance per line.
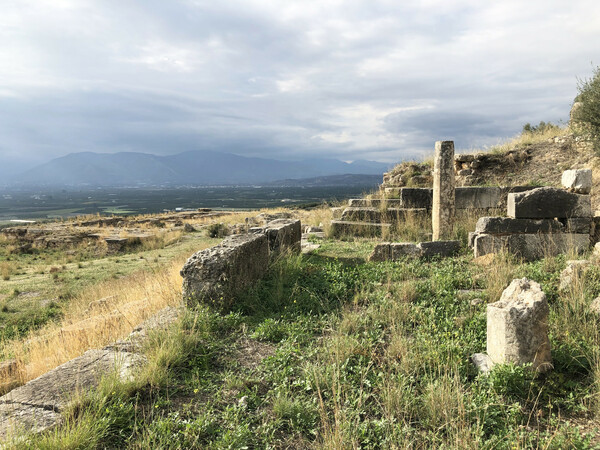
pixel 103 314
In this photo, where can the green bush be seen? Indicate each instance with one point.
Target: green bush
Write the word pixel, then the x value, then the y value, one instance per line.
pixel 541 128
pixel 587 115
pixel 218 230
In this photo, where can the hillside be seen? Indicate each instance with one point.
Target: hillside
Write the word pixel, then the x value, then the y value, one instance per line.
pixel 529 159
pixel 199 168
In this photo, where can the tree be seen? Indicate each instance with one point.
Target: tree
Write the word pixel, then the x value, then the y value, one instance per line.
pixel 586 115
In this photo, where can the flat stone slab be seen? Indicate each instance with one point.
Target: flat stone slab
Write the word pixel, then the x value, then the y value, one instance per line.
pixel 531 246
pixel 392 251
pixel 548 203
pixel 478 197
pixel 37 405
pixel 509 225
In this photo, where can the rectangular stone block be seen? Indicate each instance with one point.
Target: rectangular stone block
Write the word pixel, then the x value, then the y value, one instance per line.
pixel 531 246
pixel 401 249
pixel 517 326
pixel 508 225
pixel 285 235
pixel 404 214
pixel 548 203
pixel 416 197
pixel 361 214
pixel 375 203
pixel 381 252
pixel 477 197
pixel 346 228
pixel 216 275
pixel 577 180
pixel 578 225
pixel 439 248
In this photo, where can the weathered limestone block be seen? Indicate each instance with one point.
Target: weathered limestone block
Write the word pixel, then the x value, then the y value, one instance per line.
pixel 381 252
pixel 482 361
pixel 362 214
pixel 595 306
pixel 36 406
pixel 577 180
pixel 415 197
pixel 508 225
pixel 578 225
pixel 284 235
pixel 439 248
pixel 478 197
pixel 337 212
pixel 217 274
pixel 548 203
pixel 404 214
pixel 571 274
pixel 375 202
pixel 443 205
pixel 347 228
pixel 400 249
pixel 517 326
pixel 531 246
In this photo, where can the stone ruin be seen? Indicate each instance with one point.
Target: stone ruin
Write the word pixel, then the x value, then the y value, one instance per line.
pixel 541 222
pixel 216 275
pixel 517 329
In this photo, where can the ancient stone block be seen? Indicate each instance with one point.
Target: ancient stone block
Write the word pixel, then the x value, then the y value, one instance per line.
pixel 415 197
pixel 37 405
pixel 404 214
pixel 439 248
pixel 217 274
pixel 548 203
pixel 473 197
pixel 362 214
pixel 517 326
pixel 508 225
pixel 400 249
pixel 381 252
pixel 581 225
pixel 284 235
pixel 347 228
pixel 572 274
pixel 443 205
pixel 577 180
pixel 531 246
pixel 337 212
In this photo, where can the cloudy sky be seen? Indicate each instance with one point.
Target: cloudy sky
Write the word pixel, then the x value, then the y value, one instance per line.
pixel 372 79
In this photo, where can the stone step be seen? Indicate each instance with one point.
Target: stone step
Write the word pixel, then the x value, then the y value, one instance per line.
pixel 390 215
pixel 344 227
pixel 375 202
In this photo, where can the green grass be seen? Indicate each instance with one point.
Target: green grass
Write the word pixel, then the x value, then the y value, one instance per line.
pixel 329 351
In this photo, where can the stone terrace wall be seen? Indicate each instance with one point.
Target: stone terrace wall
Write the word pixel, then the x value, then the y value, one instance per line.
pixel 217 274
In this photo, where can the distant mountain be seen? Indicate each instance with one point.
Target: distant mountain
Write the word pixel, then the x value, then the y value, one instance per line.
pixel 187 168
pixel 331 180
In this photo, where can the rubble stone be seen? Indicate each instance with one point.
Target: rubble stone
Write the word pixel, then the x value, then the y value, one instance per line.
pixel 517 326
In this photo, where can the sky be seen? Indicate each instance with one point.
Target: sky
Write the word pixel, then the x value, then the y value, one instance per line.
pixel 287 79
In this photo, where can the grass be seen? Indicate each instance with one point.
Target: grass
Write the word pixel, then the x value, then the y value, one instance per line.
pixel 329 351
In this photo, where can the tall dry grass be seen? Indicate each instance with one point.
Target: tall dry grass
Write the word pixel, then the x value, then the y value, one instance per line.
pixel 101 315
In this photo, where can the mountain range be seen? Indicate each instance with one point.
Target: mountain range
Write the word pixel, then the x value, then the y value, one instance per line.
pixel 200 168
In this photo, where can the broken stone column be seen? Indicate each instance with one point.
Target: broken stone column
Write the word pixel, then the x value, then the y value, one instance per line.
pixel 517 326
pixel 443 208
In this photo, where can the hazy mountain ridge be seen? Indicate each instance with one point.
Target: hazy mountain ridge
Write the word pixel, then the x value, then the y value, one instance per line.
pixel 186 168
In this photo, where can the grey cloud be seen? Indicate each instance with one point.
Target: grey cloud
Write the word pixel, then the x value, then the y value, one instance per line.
pixel 368 79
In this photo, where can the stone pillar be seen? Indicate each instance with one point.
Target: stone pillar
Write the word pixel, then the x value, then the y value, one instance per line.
pixel 442 213
pixel 517 326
